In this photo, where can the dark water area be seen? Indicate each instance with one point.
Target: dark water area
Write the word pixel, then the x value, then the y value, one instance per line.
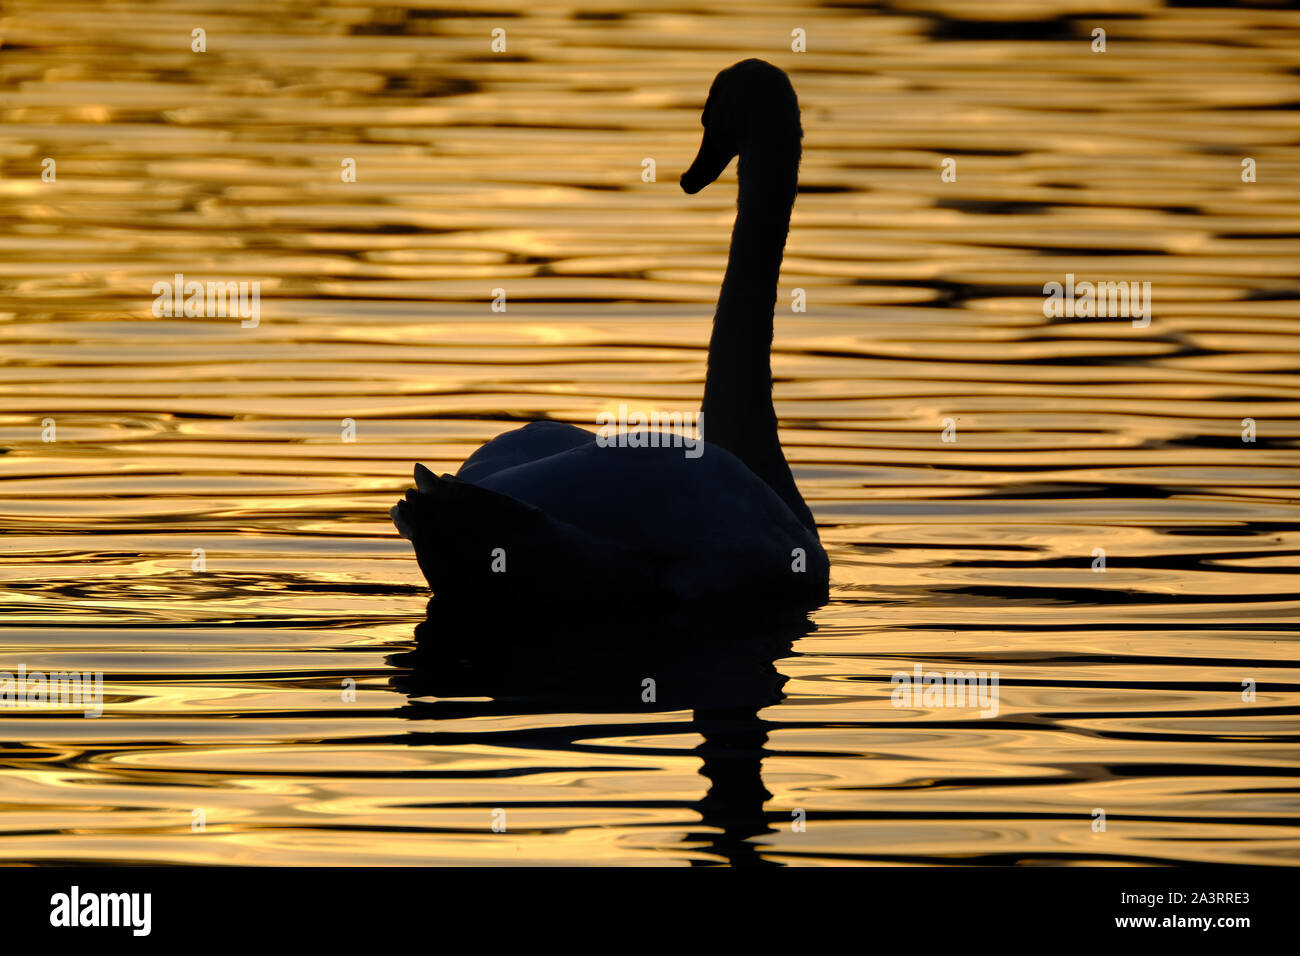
pixel 1066 502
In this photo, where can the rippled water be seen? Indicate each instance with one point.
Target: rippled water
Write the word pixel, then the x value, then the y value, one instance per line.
pixel 1120 690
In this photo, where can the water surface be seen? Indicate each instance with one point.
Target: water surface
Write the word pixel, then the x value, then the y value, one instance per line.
pixel 1119 690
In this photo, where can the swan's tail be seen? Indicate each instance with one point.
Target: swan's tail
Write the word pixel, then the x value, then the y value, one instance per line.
pixel 473 543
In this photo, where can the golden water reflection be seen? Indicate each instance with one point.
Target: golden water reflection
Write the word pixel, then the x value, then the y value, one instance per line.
pixel 224 688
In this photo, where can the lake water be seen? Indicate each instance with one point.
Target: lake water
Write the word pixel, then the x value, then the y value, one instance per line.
pixel 228 735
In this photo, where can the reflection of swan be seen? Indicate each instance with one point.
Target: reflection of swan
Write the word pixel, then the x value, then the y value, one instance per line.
pixel 546 511
pixel 718 664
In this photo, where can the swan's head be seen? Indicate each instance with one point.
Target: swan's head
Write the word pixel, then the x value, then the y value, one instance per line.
pixel 751 103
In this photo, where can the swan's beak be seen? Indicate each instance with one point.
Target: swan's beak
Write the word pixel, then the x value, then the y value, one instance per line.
pixel 711 160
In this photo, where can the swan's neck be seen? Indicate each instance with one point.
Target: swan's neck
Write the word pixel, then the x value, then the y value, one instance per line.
pixel 738 412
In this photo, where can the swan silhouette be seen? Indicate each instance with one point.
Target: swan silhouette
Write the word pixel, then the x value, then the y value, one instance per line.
pixel 547 513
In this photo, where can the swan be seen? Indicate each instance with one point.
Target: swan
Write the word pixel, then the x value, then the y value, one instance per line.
pixel 546 513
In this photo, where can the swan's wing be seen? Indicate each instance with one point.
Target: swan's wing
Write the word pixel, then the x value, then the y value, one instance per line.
pixel 648 496
pixel 617 491
pixel 534 441
pixel 720 527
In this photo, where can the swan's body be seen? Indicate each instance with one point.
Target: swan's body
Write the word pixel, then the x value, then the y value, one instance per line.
pixel 545 512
